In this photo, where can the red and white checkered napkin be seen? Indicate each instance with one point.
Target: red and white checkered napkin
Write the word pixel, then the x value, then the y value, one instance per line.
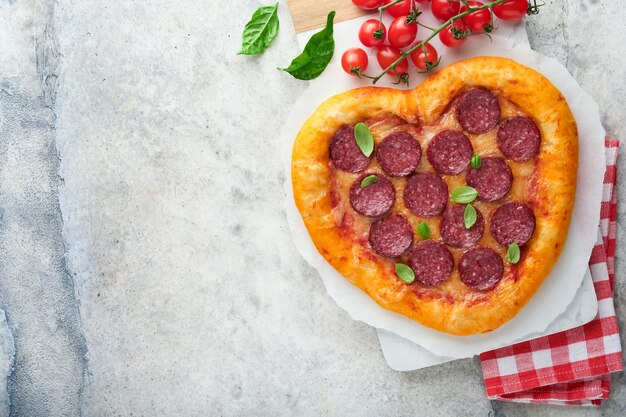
pixel 570 367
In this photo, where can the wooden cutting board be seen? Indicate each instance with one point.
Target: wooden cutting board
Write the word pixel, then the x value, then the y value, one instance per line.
pixel 311 14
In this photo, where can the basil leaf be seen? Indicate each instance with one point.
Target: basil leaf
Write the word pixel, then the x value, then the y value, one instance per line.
pixel 423 230
pixel 364 138
pixel 317 54
pixel 513 253
pixel 260 30
pixel 405 273
pixel 464 194
pixel 369 180
pixel 476 162
pixel 469 216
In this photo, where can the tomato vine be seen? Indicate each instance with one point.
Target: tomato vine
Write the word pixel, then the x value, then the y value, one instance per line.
pixel 434 31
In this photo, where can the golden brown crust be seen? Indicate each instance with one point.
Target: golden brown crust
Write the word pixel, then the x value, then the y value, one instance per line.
pixel 549 188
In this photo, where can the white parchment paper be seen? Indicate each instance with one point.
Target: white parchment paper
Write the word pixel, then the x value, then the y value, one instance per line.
pixel 559 288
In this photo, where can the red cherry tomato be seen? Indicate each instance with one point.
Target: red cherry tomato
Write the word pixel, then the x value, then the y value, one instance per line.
pixel 367 33
pixel 400 9
pixel 511 10
pixel 387 55
pixel 367 4
pixel 422 1
pixel 354 58
pixel 401 33
pixel 445 9
pixel 424 57
pixel 477 21
pixel 447 37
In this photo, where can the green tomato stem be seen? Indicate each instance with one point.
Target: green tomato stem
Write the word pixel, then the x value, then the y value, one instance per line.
pixel 380 12
pixel 425 26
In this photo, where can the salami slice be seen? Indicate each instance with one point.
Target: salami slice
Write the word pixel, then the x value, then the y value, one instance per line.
pixel 512 222
pixel 399 154
pixel 391 236
pixel 492 180
pixel 425 195
pixel 453 229
pixel 478 111
pixel 432 262
pixel 374 200
pixel 345 153
pixel 519 138
pixel 481 268
pixel 449 152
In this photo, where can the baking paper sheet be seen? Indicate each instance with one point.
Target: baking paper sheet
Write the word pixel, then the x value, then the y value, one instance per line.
pixel 400 353
pixel 560 287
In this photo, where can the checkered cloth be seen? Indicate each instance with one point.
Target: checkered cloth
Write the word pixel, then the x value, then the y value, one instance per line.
pixel 571 367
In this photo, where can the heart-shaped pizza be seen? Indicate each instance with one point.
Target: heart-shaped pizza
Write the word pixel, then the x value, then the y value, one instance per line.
pixel 449 203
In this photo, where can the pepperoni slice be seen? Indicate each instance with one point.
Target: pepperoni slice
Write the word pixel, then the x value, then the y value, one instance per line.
pixel 481 268
pixel 512 222
pixel 391 236
pixel 449 152
pixel 453 229
pixel 432 262
pixel 519 138
pixel 399 154
pixel 374 200
pixel 426 195
pixel 345 153
pixel 478 111
pixel 492 180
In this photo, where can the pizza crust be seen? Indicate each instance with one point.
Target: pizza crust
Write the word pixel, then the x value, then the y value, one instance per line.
pixel 550 193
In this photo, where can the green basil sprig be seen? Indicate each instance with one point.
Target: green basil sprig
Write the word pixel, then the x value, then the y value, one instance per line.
pixel 476 161
pixel 369 180
pixel 423 229
pixel 260 30
pixel 464 194
pixel 469 216
pixel 405 273
pixel 364 138
pixel 317 54
pixel 513 253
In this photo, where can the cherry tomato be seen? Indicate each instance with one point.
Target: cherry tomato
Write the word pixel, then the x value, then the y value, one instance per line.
pixel 354 58
pixel 422 1
pixel 445 9
pixel 368 30
pixel 477 21
pixel 367 4
pixel 447 37
pixel 387 55
pixel 401 33
pixel 511 10
pixel 401 9
pixel 424 57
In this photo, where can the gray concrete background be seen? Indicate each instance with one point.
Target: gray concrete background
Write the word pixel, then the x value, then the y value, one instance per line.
pixel 146 263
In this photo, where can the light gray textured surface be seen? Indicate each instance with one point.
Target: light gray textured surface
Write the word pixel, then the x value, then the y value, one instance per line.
pixel 36 290
pixel 193 301
pixel 7 357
